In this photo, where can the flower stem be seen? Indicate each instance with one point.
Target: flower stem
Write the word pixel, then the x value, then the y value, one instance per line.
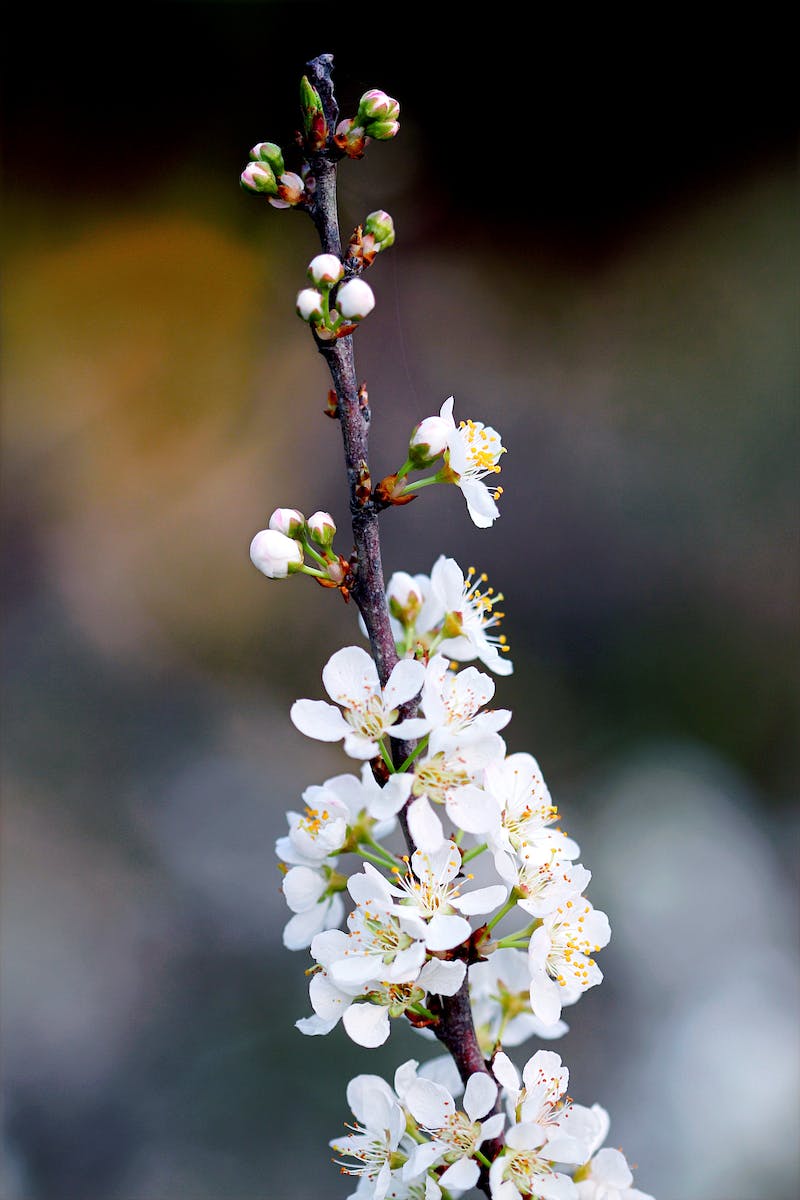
pixel 387 758
pixel 422 1011
pixel 370 841
pixel 421 744
pixel 507 907
pixel 377 859
pixel 420 483
pixel 474 852
pixel 481 1158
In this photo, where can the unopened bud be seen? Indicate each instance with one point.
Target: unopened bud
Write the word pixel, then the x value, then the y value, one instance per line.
pixel 351 138
pixel 382 131
pixel 404 597
pixel 289 521
pixel 309 304
pixel 355 300
pixel 380 226
pixel 322 528
pixel 275 555
pixel 314 126
pixel 375 105
pixel 325 270
pixel 259 177
pixel 428 442
pixel 271 153
pixel 290 191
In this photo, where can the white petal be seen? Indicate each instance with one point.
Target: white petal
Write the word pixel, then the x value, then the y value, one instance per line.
pixel 493 1127
pixel 364 1093
pixel 319 720
pixel 367 1024
pixel 480 505
pixel 350 676
pixel 302 888
pixel 445 932
pixel 479 1095
pixel 300 931
pixel 359 747
pixel 414 727
pixel 442 979
pixel 422 1157
pixel 473 810
pixel 444 1071
pixel 404 683
pixel 462 1174
pixel 385 802
pixel 424 825
pixel 446 411
pixel 429 1103
pixel 505 1072
pixel 484 900
pixel 315 1026
pixel 326 1000
pixel 545 999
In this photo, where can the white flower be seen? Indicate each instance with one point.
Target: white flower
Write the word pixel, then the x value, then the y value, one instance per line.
pixel 570 1129
pixel 474 451
pixel 608 1177
pixel 287 520
pixel 309 304
pixel 351 679
pixel 306 892
pixel 325 269
pixel 355 300
pixel 449 777
pixel 275 554
pixel 559 956
pixel 469 614
pixel 456 1134
pixel 430 899
pixel 499 991
pixel 377 947
pixel 524 1168
pixel 452 704
pixel 546 886
pixel 380 1126
pixel 527 812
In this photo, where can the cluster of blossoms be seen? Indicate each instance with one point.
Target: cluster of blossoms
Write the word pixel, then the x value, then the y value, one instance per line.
pixel 402 936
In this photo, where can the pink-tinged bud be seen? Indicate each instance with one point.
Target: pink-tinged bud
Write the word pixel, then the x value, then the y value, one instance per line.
pixel 382 131
pixel 355 300
pixel 325 270
pixel 290 191
pixel 275 555
pixel 259 177
pixel 309 304
pixel 428 441
pixel 351 138
pixel 404 597
pixel 289 521
pixel 380 226
pixel 375 105
pixel 322 528
pixel 271 153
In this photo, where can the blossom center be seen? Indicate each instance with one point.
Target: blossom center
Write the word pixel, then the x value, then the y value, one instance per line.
pixel 437 777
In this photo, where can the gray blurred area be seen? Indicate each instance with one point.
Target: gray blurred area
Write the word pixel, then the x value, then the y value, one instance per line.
pixel 161 400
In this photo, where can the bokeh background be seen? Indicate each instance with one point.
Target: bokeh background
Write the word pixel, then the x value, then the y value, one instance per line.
pixel 596 250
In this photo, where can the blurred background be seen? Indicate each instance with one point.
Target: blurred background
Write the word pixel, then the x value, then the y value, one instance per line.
pixel 595 252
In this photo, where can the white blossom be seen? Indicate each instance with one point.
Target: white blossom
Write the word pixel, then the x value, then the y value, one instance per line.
pixel 307 893
pixel 275 554
pixel 370 712
pixel 452 778
pixel 559 956
pixel 526 815
pixel 608 1177
pixel 430 900
pixel 469 613
pixel 525 1169
pixel 452 704
pixel 473 452
pixel 355 299
pixel 376 1135
pixel 499 991
pixel 456 1133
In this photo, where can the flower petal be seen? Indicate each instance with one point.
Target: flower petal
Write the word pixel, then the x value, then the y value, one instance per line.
pixel 350 676
pixel 367 1024
pixel 317 719
pixel 404 683
pixel 479 1095
pixel 445 932
pixel 424 825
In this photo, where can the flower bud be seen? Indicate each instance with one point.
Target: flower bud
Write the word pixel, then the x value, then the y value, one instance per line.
pixel 274 554
pixel 382 131
pixel 259 177
pixel 289 521
pixel 375 105
pixel 351 138
pixel 325 270
pixel 404 598
pixel 380 226
pixel 290 191
pixel 428 441
pixel 322 528
pixel 355 300
pixel 309 304
pixel 314 125
pixel 269 152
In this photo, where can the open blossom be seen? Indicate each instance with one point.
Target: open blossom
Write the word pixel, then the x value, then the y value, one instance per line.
pixel 370 712
pixel 526 1168
pixel 608 1177
pixel 452 778
pixel 559 956
pixel 572 1130
pixel 316 907
pixel 473 452
pixel 452 704
pixel 468 614
pixel 499 991
pixel 545 886
pixel 456 1133
pixel 376 1136
pixel 526 815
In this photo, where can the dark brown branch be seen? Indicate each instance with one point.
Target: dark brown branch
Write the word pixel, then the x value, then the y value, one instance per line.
pixel 455 1028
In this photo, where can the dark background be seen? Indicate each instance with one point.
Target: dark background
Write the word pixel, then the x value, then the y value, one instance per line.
pixel 596 253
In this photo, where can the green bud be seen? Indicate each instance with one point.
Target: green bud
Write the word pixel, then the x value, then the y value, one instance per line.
pixel 382 131
pixel 310 103
pixel 269 152
pixel 381 227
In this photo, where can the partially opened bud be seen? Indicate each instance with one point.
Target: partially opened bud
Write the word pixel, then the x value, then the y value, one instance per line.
pixel 271 153
pixel 382 131
pixel 309 304
pixel 259 177
pixel 275 555
pixel 289 521
pixel 428 441
pixel 375 105
pixel 351 138
pixel 380 226
pixel 325 270
pixel 355 300
pixel 290 191
pixel 404 597
pixel 322 528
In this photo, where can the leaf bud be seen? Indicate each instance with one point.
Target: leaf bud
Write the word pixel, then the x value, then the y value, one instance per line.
pixel 275 554
pixel 355 300
pixel 309 304
pixel 375 105
pixel 322 528
pixel 269 152
pixel 428 442
pixel 289 521
pixel 325 270
pixel 380 226
pixel 314 125
pixel 259 177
